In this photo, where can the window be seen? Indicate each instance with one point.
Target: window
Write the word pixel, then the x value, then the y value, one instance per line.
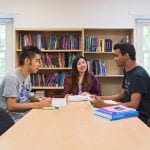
pixel 6 46
pixel 143 42
pixel 146 47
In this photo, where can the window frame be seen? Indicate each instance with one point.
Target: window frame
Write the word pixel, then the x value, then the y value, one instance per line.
pixel 140 23
pixel 9 55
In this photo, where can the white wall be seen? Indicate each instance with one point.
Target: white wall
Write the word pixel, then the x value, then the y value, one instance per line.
pixel 75 13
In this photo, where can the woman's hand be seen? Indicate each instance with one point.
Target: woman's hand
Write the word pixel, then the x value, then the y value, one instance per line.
pixel 67 97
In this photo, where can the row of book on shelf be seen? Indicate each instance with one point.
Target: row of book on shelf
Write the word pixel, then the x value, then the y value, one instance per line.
pixel 97 67
pixel 52 79
pixel 57 60
pixel 66 40
pixel 97 44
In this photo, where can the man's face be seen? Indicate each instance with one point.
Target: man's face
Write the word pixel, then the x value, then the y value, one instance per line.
pixel 34 64
pixel 119 58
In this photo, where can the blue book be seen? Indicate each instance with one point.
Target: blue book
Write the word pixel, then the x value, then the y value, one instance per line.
pixel 103 68
pixel 116 112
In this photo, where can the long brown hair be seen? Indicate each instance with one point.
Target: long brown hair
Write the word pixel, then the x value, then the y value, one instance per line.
pixel 86 83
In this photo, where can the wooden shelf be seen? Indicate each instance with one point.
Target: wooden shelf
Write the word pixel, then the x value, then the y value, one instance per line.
pixel 99 53
pixel 55 68
pixel 49 29
pixel 110 83
pixel 58 47
pixel 46 88
pixel 109 76
pixel 57 51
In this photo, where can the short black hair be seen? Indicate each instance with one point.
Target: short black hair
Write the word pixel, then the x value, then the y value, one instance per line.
pixel 28 52
pixel 126 48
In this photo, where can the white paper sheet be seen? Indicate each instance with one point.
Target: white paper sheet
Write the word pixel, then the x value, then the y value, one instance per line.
pixel 59 102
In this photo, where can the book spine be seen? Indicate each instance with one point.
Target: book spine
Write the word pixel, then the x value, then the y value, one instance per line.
pixel 105 115
pixel 124 115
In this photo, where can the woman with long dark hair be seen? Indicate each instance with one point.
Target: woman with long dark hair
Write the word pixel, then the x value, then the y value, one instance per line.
pixel 80 81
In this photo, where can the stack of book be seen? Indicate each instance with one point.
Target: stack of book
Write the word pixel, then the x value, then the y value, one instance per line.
pixel 77 98
pixel 115 112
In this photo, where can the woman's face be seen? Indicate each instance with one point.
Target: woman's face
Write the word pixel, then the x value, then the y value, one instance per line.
pixel 81 65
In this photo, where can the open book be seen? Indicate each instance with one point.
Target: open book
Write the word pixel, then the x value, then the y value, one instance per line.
pixel 77 98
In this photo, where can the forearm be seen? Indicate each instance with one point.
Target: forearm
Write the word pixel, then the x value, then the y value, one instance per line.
pixel 118 97
pixel 112 97
pixel 21 107
pixel 127 104
pixel 132 104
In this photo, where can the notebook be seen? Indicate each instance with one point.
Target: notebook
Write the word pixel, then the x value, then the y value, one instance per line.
pixel 77 98
pixel 59 102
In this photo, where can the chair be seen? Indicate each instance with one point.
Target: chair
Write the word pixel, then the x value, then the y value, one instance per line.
pixel 5 121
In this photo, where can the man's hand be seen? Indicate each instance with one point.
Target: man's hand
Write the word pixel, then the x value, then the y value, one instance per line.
pixel 45 102
pixel 44 98
pixel 98 102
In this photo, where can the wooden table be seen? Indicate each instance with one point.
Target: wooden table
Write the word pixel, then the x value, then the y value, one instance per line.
pixel 74 127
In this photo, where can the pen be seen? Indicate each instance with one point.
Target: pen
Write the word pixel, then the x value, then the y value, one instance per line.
pixel 50 108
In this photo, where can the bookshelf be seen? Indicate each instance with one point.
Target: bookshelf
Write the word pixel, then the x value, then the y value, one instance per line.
pixel 98 45
pixel 58 47
pixel 83 41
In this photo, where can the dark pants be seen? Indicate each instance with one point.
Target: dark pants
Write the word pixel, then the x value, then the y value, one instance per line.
pixel 145 119
pixel 5 121
pixel 148 122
